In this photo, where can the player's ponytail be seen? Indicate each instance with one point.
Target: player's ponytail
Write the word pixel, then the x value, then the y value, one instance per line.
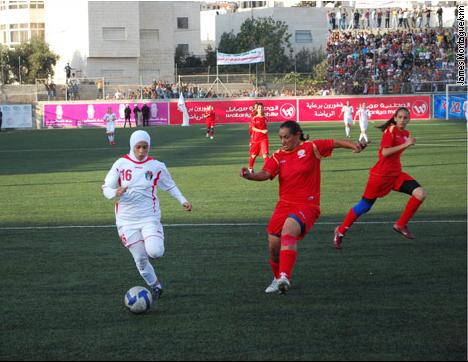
pixel 295 128
pixel 392 121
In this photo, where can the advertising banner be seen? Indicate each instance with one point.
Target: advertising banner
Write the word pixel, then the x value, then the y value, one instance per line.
pixel 16 115
pixel 381 108
pixel 236 111
pixel 250 57
pixel 62 115
pixel 456 106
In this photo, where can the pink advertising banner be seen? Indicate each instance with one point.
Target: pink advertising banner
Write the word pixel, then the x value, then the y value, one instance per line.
pixel 236 111
pixel 381 108
pixel 64 115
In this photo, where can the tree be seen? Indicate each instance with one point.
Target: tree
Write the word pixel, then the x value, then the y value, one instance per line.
pixel 33 60
pixel 305 60
pixel 268 33
pixel 210 57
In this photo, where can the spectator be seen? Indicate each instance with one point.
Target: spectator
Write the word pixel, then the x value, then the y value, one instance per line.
pixel 145 111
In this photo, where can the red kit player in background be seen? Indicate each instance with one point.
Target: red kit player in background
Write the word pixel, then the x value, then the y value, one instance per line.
pixel 297 165
pixel 386 176
pixel 259 136
pixel 210 118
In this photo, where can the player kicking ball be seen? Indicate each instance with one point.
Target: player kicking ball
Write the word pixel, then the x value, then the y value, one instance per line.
pixel 297 166
pixel 134 180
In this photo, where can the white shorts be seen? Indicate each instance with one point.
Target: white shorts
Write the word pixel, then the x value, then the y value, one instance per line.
pixel 348 121
pixel 132 234
pixel 110 127
pixel 363 125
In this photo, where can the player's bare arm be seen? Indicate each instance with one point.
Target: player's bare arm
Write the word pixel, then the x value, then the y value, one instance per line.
pixel 264 131
pixel 255 176
pixel 356 147
pixel 386 152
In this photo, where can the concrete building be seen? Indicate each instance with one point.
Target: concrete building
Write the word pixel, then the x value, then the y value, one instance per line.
pixel 307 25
pixel 124 41
pixel 21 20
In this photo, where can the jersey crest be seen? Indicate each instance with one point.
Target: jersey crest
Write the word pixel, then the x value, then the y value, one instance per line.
pixel 149 175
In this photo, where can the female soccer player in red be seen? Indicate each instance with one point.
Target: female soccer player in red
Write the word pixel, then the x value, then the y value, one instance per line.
pixel 259 136
pixel 297 165
pixel 386 176
pixel 210 117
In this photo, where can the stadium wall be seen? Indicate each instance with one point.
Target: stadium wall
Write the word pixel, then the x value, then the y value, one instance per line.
pixel 303 109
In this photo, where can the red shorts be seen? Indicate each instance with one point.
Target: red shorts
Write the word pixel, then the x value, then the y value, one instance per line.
pixel 210 124
pixel 260 147
pixel 305 215
pixel 380 186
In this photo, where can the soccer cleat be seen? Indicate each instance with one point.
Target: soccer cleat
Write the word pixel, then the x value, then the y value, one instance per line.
pixel 283 284
pixel 338 239
pixel 157 290
pixel 403 230
pixel 273 287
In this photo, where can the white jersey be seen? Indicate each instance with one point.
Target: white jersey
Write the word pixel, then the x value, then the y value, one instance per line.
pixel 109 118
pixel 363 114
pixel 348 113
pixel 140 203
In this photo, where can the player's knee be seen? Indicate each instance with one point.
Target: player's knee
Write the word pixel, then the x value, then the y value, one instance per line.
pixel 420 193
pixel 155 249
pixel 363 206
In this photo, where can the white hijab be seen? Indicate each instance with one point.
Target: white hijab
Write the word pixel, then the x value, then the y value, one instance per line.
pixel 137 137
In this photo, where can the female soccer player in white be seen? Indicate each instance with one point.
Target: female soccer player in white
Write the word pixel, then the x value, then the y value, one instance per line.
pixel 347 111
pixel 110 118
pixel 133 180
pixel 364 115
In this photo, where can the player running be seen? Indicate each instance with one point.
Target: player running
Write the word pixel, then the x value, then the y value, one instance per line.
pixel 387 175
pixel 210 118
pixel 347 111
pixel 259 143
pixel 133 180
pixel 297 165
pixel 110 118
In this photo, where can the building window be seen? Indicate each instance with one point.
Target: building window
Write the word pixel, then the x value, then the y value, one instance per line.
pixel 182 23
pixel 182 49
pixel 303 36
pixel 149 34
pixel 36 4
pixel 113 34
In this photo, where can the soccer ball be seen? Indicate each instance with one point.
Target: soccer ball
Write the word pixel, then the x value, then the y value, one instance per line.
pixel 138 300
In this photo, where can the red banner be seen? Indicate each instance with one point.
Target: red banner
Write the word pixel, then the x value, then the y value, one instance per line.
pixel 381 108
pixel 236 111
pixel 310 109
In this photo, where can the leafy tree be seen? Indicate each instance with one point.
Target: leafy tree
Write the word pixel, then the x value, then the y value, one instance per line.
pixel 268 33
pixel 306 60
pixel 34 60
pixel 210 57
pixel 5 66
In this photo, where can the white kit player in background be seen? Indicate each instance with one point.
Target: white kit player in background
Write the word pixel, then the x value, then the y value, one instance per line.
pixel 465 109
pixel 133 180
pixel 364 115
pixel 110 118
pixel 347 111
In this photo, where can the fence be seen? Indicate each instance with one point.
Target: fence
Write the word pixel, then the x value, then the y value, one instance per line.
pixel 204 86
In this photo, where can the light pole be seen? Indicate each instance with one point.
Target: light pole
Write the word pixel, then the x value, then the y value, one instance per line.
pixel 19 68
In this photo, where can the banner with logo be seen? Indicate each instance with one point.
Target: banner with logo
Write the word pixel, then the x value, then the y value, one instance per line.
pixel 236 111
pixel 62 115
pixel 16 115
pixel 250 57
pixel 456 106
pixel 381 108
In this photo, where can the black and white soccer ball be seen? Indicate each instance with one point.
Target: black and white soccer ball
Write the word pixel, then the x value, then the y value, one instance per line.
pixel 138 300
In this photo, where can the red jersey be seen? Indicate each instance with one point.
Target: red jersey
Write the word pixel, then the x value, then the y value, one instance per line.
pixel 210 118
pixel 391 165
pixel 258 122
pixel 299 171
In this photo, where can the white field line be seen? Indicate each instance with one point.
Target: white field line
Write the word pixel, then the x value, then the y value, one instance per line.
pixel 221 224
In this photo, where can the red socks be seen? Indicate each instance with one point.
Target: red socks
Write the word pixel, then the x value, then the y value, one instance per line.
pixel 287 257
pixel 251 162
pixel 410 209
pixel 275 268
pixel 348 222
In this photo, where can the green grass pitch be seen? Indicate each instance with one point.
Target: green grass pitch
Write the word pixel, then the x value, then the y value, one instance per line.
pixel 381 298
